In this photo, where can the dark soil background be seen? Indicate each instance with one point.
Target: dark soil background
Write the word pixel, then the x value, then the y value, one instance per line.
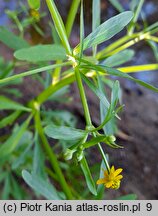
pixel 138 129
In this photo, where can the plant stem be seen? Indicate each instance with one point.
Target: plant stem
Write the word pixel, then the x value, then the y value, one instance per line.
pixel 59 25
pixel 43 96
pixel 52 157
pixel 54 88
pixel 135 18
pixel 86 111
pixel 104 158
pixel 56 73
pixel 138 68
pixel 126 45
pixel 114 45
pixel 31 72
pixel 83 96
pixel 71 16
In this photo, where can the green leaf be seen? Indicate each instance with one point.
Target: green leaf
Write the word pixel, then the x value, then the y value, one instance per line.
pixel 82 30
pixel 13 91
pixel 117 5
pixel 11 40
pixel 89 180
pixel 38 160
pixel 133 4
pixel 11 143
pixel 96 14
pixel 59 25
pixel 64 133
pixel 116 72
pixel 128 197
pixel 154 47
pixel 106 30
pixel 115 94
pixel 31 72
pixel 22 157
pixel 16 190
pixel 101 187
pixel 94 141
pixel 6 188
pixel 119 58
pixel 34 4
pixel 41 53
pixel 59 116
pixel 7 104
pixel 107 116
pixel 108 112
pixel 40 185
pixel 136 15
pixel 96 90
pixel 71 16
pixel 3 176
pixel 9 119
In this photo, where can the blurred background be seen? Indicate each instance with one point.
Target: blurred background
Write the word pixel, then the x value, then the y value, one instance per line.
pixel 138 128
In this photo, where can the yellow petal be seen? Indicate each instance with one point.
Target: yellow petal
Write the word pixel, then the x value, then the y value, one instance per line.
pixel 118 177
pixel 101 181
pixel 108 184
pixel 117 172
pixel 112 170
pixel 106 174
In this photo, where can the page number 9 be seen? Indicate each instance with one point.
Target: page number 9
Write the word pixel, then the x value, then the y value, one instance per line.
pixel 148 206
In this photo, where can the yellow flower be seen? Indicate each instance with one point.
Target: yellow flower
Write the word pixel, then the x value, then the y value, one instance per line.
pixel 35 14
pixel 112 178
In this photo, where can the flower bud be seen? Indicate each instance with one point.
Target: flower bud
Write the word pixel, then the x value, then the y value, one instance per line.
pixel 79 155
pixel 111 139
pixel 68 154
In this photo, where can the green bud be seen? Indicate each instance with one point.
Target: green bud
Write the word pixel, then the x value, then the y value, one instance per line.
pixel 68 154
pixel 34 4
pixel 79 155
pixel 111 139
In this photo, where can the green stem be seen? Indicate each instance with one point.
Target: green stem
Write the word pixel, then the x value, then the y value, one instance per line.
pixel 104 158
pixel 56 73
pixel 153 38
pixel 31 72
pixel 71 16
pixel 43 96
pixel 115 45
pixel 135 18
pixel 126 45
pixel 83 96
pixel 59 25
pixel 51 174
pixel 52 157
pixel 139 68
pixel 54 88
